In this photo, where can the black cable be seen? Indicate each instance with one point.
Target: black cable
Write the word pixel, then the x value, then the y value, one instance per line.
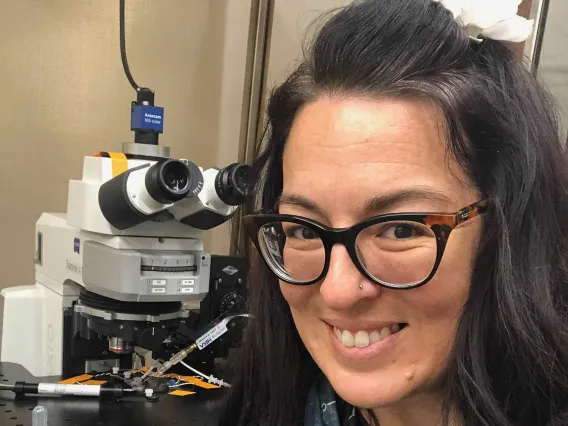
pixel 123 49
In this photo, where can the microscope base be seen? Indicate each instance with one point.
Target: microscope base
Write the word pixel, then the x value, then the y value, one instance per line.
pixel 32 331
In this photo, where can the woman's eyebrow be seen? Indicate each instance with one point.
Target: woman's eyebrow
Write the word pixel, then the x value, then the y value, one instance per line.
pixel 299 201
pixel 376 204
pixel 389 201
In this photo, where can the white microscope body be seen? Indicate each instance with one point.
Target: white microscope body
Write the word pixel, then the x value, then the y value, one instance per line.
pixel 132 236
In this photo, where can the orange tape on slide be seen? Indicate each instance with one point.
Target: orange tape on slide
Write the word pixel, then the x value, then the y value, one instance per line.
pixel 76 379
pixel 181 393
pixel 199 382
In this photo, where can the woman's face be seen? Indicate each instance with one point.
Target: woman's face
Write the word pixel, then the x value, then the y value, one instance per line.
pixel 342 154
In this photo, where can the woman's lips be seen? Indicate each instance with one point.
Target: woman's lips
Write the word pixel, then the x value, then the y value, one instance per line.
pixel 365 344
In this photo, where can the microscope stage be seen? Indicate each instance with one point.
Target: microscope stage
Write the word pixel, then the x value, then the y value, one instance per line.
pixel 198 409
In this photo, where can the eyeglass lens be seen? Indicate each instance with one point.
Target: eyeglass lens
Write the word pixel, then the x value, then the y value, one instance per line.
pixel 395 253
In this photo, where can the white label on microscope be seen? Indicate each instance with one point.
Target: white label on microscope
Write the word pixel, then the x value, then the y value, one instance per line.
pixel 212 335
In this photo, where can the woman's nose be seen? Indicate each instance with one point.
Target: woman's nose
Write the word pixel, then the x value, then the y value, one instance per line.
pixel 344 285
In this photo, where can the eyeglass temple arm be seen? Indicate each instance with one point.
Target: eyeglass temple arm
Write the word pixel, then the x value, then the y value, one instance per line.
pixel 471 211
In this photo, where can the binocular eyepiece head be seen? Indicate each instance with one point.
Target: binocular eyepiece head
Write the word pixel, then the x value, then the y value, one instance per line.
pixel 141 192
pixel 234 184
pixel 168 181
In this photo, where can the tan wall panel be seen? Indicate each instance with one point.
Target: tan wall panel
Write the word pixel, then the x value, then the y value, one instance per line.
pixel 553 67
pixel 292 23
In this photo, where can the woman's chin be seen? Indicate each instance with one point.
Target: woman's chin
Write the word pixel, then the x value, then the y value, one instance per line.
pixel 367 399
pixel 370 391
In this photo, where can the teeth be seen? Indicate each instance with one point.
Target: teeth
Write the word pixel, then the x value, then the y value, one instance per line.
pixel 362 338
pixel 347 339
pixel 337 333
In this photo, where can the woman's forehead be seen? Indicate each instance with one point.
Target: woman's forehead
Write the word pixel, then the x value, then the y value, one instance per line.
pixel 369 116
pixel 357 133
pixel 359 148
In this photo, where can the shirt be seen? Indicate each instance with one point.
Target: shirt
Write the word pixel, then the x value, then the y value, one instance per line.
pixel 325 408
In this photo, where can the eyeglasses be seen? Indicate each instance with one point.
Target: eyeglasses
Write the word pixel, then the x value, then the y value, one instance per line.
pixel 399 251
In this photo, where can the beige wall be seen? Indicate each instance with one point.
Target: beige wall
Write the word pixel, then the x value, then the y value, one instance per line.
pixel 64 95
pixel 554 60
pixel 292 23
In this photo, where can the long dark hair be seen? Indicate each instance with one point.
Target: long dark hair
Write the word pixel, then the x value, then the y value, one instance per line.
pixel 509 364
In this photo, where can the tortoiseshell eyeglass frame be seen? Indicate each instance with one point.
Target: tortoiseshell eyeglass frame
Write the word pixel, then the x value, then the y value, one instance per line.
pixel 441 224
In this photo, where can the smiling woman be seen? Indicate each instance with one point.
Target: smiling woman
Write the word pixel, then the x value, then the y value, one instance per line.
pixel 412 232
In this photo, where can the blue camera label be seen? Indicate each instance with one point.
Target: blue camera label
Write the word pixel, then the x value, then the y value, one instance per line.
pixel 146 117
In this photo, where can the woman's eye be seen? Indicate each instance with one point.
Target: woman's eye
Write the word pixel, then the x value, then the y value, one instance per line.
pixel 301 233
pixel 399 232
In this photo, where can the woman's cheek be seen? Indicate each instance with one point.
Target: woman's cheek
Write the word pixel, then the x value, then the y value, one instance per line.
pixel 298 296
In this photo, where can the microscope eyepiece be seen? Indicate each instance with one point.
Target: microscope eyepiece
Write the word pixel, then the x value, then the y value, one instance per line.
pixel 168 181
pixel 139 193
pixel 232 184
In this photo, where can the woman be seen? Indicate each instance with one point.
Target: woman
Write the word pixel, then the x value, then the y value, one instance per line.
pixel 413 230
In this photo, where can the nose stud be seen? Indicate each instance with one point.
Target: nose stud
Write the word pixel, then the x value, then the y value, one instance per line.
pixel 361 286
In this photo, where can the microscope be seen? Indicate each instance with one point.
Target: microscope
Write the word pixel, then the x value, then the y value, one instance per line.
pixel 125 267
